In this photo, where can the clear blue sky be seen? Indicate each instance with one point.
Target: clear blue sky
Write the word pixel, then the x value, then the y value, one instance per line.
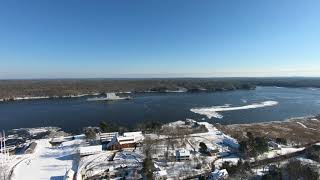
pixel 163 38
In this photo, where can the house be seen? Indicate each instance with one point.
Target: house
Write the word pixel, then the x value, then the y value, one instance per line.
pixel 218 174
pixel 107 137
pixel 31 148
pixel 89 150
pixel 56 141
pixel 138 136
pixel 122 142
pixel 128 140
pixel 182 155
pixel 159 175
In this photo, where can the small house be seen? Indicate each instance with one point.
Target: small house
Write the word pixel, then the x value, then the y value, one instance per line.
pixel 182 155
pixel 107 137
pixel 31 148
pixel 56 141
pixel 128 140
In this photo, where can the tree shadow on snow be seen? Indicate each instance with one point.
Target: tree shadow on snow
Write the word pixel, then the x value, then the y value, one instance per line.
pixel 67 157
pixel 56 178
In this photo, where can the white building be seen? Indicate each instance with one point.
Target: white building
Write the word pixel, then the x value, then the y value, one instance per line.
pixel 137 136
pixel 105 137
pixel 182 155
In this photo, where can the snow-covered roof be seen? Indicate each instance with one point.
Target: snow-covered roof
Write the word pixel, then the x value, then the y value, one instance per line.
pixel 34 131
pixel 160 173
pixel 182 153
pixel 218 174
pixel 57 139
pixel 135 134
pixel 86 150
pixel 126 140
pixel 108 136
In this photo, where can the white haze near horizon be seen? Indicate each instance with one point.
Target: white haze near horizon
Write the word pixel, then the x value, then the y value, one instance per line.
pixel 153 73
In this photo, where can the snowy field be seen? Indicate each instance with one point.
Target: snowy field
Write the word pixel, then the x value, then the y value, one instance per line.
pixel 99 163
pixel 48 162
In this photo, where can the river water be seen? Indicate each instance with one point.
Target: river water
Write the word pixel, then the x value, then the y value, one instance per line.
pixel 241 106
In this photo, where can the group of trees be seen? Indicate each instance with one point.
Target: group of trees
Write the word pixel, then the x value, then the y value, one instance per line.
pixel 108 127
pixel 91 132
pixel 241 170
pixel 148 167
pixel 294 169
pixel 65 87
pixel 150 126
pixel 253 146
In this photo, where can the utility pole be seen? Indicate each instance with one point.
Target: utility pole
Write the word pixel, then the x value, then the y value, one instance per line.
pixel 4 155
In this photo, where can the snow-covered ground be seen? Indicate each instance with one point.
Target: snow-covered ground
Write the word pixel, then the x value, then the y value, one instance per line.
pixel 278 152
pixel 197 163
pixel 47 162
pixel 108 160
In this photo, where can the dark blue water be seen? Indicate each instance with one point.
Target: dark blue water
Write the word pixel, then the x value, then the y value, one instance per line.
pixel 73 114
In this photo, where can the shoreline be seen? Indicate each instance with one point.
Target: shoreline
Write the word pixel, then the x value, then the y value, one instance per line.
pixel 300 130
pixel 266 123
pixel 26 98
pixel 201 90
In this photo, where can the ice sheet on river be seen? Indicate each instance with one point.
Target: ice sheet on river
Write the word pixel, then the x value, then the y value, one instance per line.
pixel 213 111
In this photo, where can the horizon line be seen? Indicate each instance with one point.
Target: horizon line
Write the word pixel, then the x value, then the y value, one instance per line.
pixel 189 77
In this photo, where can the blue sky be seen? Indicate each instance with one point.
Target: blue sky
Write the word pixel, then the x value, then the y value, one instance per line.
pixel 163 38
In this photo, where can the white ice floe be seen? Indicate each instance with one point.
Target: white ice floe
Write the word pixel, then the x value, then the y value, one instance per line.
pixel 244 100
pixel 213 111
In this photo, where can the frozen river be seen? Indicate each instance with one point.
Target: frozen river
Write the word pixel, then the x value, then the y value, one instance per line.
pixel 241 106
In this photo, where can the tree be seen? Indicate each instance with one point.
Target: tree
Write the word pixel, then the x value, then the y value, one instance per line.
pixel 281 141
pixel 274 173
pixel 108 127
pixel 148 167
pixel 90 133
pixel 104 126
pixel 203 147
pixel 253 146
pixel 296 170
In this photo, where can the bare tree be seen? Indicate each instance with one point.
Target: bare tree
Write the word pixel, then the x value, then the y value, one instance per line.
pixel 148 166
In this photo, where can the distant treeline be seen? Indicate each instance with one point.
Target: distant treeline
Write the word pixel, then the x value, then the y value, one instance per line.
pixel 66 87
pixel 284 82
pixel 69 87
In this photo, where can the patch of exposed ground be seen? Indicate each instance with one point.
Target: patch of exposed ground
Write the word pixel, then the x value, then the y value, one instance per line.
pixel 297 130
